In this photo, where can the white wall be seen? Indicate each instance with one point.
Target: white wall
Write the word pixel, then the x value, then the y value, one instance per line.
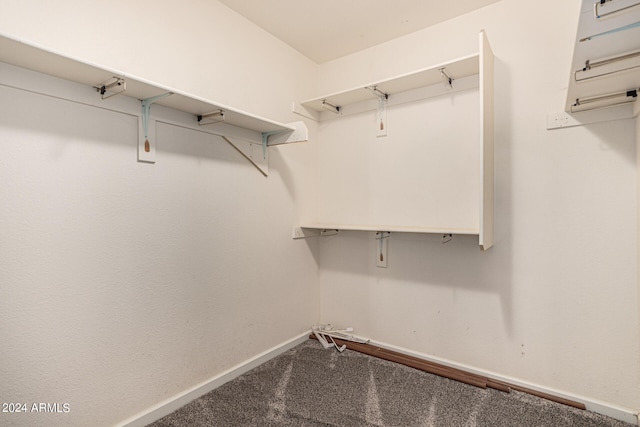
pixel 365 178
pixel 555 302
pixel 124 284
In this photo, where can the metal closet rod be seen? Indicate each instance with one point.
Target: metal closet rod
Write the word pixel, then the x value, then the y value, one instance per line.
pixel 590 103
pixel 588 65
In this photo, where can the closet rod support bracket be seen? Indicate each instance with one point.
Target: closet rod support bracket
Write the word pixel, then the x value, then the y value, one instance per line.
pixel 146 108
pixel 112 87
pixel 448 79
pixel 381 256
pixel 265 141
pixel 146 145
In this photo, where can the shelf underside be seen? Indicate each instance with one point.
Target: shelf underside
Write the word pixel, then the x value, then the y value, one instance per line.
pixel 391 228
pixel 33 58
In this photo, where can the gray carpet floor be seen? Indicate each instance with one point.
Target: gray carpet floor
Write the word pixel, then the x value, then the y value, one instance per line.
pixel 311 386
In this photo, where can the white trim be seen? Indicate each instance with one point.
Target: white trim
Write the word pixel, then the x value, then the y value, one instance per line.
pixel 168 406
pixel 604 408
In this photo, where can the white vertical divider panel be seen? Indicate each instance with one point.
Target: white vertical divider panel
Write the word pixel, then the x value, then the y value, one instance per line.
pixel 636 112
pixel 486 143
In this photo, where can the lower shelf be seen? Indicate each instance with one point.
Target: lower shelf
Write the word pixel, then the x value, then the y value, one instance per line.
pixel 316 229
pixel 391 228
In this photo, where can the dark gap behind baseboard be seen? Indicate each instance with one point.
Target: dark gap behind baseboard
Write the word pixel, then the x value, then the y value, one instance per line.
pixel 448 372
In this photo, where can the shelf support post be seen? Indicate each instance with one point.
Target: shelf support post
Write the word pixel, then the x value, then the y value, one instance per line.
pixel 447 78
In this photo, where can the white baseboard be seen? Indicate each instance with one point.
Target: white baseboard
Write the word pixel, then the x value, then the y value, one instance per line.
pixel 604 408
pixel 168 406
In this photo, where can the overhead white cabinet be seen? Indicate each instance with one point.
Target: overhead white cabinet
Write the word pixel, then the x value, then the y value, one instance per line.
pixel 410 154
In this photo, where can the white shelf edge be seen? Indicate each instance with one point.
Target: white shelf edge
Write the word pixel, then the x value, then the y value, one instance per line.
pixel 391 228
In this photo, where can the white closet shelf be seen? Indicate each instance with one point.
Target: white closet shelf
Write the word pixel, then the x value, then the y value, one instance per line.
pixel 480 221
pixel 391 228
pixel 38 59
pixel 459 68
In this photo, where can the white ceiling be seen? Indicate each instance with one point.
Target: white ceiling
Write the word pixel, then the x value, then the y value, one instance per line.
pixel 328 29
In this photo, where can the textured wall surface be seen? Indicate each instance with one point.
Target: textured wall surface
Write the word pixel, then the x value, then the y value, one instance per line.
pixel 555 301
pixel 123 283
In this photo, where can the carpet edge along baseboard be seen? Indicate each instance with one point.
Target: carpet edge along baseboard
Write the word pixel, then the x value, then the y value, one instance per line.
pixel 449 372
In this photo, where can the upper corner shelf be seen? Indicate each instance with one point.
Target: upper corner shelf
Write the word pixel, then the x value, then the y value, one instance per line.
pixel 54 64
pixel 463 67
